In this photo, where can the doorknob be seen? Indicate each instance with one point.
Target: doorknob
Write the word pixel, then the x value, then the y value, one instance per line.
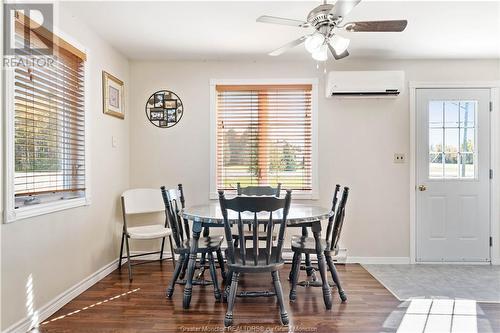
pixel 422 188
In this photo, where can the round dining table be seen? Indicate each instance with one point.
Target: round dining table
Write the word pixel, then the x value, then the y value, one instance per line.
pixel 210 216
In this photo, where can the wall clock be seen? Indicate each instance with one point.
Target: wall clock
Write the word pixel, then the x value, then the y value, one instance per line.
pixel 164 109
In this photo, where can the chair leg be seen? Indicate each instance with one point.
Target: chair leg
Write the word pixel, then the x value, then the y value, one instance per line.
pixel 128 259
pixel 121 251
pixel 228 319
pixel 309 271
pixel 295 276
pixel 220 259
pixel 227 286
pixel 206 233
pixel 292 270
pixel 184 268
pixel 202 266
pixel 213 275
pixel 335 277
pixel 162 246
pixel 279 295
pixel 178 266
pixel 172 250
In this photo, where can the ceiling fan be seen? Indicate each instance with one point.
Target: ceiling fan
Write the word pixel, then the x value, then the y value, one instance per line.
pixel 327 19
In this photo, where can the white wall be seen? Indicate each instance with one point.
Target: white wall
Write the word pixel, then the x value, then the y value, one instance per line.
pixel 357 138
pixel 60 249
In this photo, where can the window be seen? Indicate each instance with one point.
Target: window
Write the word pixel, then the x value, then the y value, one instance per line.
pixel 264 136
pixel 452 148
pixel 47 119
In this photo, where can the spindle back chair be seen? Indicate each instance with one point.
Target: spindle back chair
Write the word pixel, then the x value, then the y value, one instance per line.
pixel 255 259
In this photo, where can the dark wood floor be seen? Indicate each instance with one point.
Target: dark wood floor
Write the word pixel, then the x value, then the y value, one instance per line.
pixel 143 307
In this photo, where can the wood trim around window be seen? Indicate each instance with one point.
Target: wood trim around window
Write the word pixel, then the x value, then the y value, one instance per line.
pixel 258 87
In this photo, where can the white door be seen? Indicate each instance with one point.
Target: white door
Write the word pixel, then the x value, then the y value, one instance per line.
pixel 453 175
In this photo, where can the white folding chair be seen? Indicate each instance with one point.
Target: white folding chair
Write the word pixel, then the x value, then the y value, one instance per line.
pixel 142 201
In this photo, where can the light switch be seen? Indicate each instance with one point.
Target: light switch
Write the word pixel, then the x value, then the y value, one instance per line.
pixel 399 158
pixel 114 142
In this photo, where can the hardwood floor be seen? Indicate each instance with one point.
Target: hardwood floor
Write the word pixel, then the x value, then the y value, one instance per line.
pixel 115 305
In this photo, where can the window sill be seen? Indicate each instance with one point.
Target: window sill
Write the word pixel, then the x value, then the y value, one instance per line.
pixel 295 195
pixel 45 208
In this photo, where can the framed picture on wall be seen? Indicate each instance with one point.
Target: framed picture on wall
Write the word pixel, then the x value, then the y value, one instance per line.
pixel 171 115
pixel 157 114
pixel 159 98
pixel 112 95
pixel 170 104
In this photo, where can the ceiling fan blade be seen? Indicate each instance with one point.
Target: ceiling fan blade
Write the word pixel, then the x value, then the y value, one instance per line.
pixel 337 56
pixel 343 7
pixel 288 46
pixel 376 26
pixel 282 21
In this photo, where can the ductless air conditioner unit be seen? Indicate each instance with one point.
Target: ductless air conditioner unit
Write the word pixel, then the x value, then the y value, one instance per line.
pixel 357 84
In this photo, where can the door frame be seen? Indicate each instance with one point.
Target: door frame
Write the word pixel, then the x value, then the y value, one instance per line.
pixel 494 87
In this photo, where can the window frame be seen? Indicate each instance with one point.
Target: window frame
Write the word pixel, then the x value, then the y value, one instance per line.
pixel 309 195
pixel 11 214
pixel 443 153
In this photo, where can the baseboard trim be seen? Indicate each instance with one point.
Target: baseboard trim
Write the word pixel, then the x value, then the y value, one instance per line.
pixel 62 299
pixel 378 260
pixel 343 258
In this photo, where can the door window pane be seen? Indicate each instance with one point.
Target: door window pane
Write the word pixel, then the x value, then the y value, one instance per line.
pixel 467 139
pixel 467 114
pixel 436 165
pixel 467 165
pixel 451 113
pixel 436 140
pixel 452 139
pixel 436 114
pixel 451 165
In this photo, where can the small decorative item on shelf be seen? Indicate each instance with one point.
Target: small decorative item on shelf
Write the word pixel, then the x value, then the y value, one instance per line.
pixel 112 95
pixel 164 109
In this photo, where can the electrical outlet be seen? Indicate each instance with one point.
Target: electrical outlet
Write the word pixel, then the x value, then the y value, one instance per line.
pixel 399 158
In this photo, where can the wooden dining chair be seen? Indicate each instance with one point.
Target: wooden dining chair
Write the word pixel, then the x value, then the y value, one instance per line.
pixel 255 259
pixel 259 190
pixel 142 201
pixel 256 191
pixel 182 241
pixel 330 244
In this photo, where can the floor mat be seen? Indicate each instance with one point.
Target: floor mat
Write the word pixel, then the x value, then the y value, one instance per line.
pixel 475 282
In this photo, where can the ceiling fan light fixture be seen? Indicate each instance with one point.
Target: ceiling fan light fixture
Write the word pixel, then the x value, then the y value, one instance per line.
pixel 321 53
pixel 327 19
pixel 339 43
pixel 313 42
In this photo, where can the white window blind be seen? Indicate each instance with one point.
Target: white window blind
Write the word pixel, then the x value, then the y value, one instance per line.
pixel 49 135
pixel 264 136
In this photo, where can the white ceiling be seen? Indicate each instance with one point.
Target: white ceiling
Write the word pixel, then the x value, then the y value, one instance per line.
pixel 227 30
